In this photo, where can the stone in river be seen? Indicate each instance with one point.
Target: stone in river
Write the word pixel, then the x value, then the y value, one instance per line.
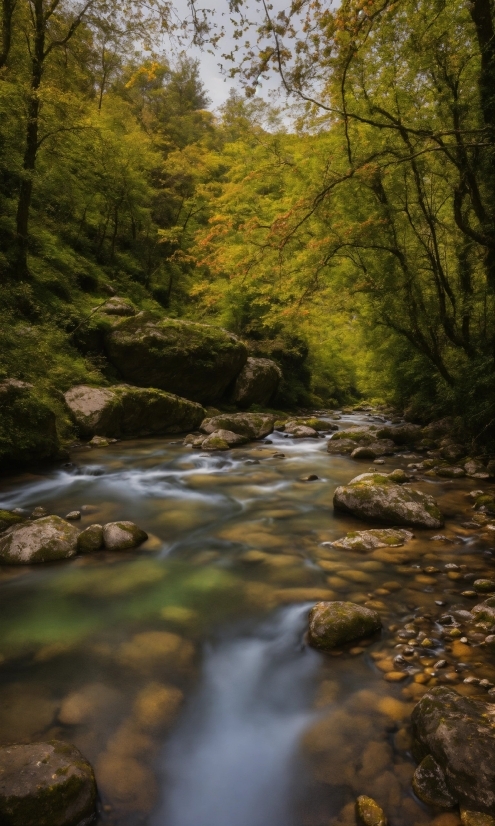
pixel 459 733
pixel 257 382
pixel 90 540
pixel 363 541
pixel 46 784
pixel 302 432
pixel 222 440
pixel 338 446
pixel 430 786
pixel 485 611
pixel 470 818
pixel 377 497
pixel 45 540
pixel 334 623
pixel 122 536
pixel 369 813
pixel 8 519
pixel 484 586
pixel 249 425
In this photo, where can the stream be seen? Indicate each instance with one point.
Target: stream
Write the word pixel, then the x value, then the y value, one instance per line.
pixel 180 670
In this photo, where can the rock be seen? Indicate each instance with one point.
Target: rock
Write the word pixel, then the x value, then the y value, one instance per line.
pixel 44 540
pixel 302 432
pixel 376 496
pixel 28 429
pixel 99 441
pixel 438 429
pixel 384 447
pixel 73 516
pixel 118 306
pixel 369 813
pixel 222 440
pixel 402 434
pixel 157 705
pixel 46 784
pixel 124 412
pixel 90 540
pixel 430 786
pixel 257 382
pixel 38 512
pixel 469 818
pixel 485 611
pixel 449 472
pixel 459 733
pixel 476 469
pixel 490 468
pixel 336 446
pixel 334 623
pixel 122 536
pixel 196 361
pixel 363 541
pixel 156 649
pixel 316 424
pixel 452 453
pixel 8 519
pixel 484 586
pixel 249 425
pixel 358 435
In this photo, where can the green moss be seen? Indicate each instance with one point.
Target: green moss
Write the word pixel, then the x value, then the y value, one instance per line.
pixel 7 519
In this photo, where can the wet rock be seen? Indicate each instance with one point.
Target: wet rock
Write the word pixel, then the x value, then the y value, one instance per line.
pixel 150 650
pixel 334 623
pixel 196 361
pixel 363 541
pixel 124 412
pixel 157 705
pixel 430 786
pixel 118 306
pixel 85 705
pixel 45 540
pixel 484 586
pixel 249 425
pixel 122 536
pixel 320 425
pixel 257 382
pixel 459 733
pixel 340 446
pixel 452 452
pixel 448 472
pixel 383 447
pixel 476 469
pixel 38 512
pixel 100 441
pixel 8 519
pixel 376 496
pixel 28 429
pixel 302 432
pixel 73 516
pixel 469 818
pixel 401 434
pixel 46 784
pixel 369 813
pixel 485 611
pixel 438 429
pixel 358 435
pixel 90 540
pixel 222 440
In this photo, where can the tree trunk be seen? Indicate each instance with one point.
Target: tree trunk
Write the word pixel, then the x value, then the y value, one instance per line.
pixel 8 7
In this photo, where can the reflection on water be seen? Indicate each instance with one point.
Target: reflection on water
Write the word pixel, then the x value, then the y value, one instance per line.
pixel 239 738
pixel 179 670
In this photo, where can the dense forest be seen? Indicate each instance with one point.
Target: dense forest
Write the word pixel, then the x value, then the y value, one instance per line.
pixel 348 233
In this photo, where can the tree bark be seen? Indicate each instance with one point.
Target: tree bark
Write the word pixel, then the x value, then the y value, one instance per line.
pixel 8 7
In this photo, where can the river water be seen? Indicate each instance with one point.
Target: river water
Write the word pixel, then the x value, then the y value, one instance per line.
pixel 180 670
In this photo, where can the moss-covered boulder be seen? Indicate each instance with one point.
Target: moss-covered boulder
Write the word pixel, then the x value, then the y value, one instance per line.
pixel 321 425
pixel 125 412
pixel 364 541
pixel 9 519
pixel 249 425
pixel 28 429
pixel 90 540
pixel 369 813
pixel 357 435
pixel 44 540
pixel 404 434
pixel 335 623
pixel 378 497
pixel 257 383
pixel 340 447
pixel 459 733
pixel 430 786
pixel 195 361
pixel 485 611
pixel 223 440
pixel 46 784
pixel 122 536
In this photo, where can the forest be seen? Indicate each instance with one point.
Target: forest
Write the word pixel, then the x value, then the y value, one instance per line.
pixel 347 230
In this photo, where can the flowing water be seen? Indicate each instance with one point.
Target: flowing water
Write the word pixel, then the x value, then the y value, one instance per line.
pixel 180 670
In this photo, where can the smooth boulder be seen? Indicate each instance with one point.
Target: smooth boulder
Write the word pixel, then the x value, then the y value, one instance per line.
pixel 459 734
pixel 122 536
pixel 377 497
pixel 195 361
pixel 28 430
pixel 249 425
pixel 223 440
pixel 90 540
pixel 46 784
pixel 44 540
pixel 257 382
pixel 125 412
pixel 335 623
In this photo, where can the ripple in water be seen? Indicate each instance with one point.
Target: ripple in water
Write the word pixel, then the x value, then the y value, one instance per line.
pixel 233 760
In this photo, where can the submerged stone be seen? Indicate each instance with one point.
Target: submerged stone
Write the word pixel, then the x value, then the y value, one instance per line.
pixel 369 813
pixel 363 541
pixel 46 784
pixel 335 623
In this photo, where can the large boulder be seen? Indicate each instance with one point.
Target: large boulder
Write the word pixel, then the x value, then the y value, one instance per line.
pixel 46 784
pixel 27 425
pixel 44 540
pixel 335 623
pixel 459 734
pixel 249 425
pixel 193 360
pixel 377 497
pixel 257 382
pixel 404 434
pixel 124 412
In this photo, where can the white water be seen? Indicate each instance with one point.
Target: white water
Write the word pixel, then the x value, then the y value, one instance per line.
pixel 232 761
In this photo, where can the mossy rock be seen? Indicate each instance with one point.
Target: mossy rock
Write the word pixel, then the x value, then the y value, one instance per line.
pixel 364 541
pixel 249 425
pixel 8 519
pixel 44 540
pixel 90 540
pixel 374 496
pixel 430 786
pixel 332 624
pixel 28 430
pixel 123 536
pixel 369 813
pixel 196 361
pixel 257 383
pixel 46 784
